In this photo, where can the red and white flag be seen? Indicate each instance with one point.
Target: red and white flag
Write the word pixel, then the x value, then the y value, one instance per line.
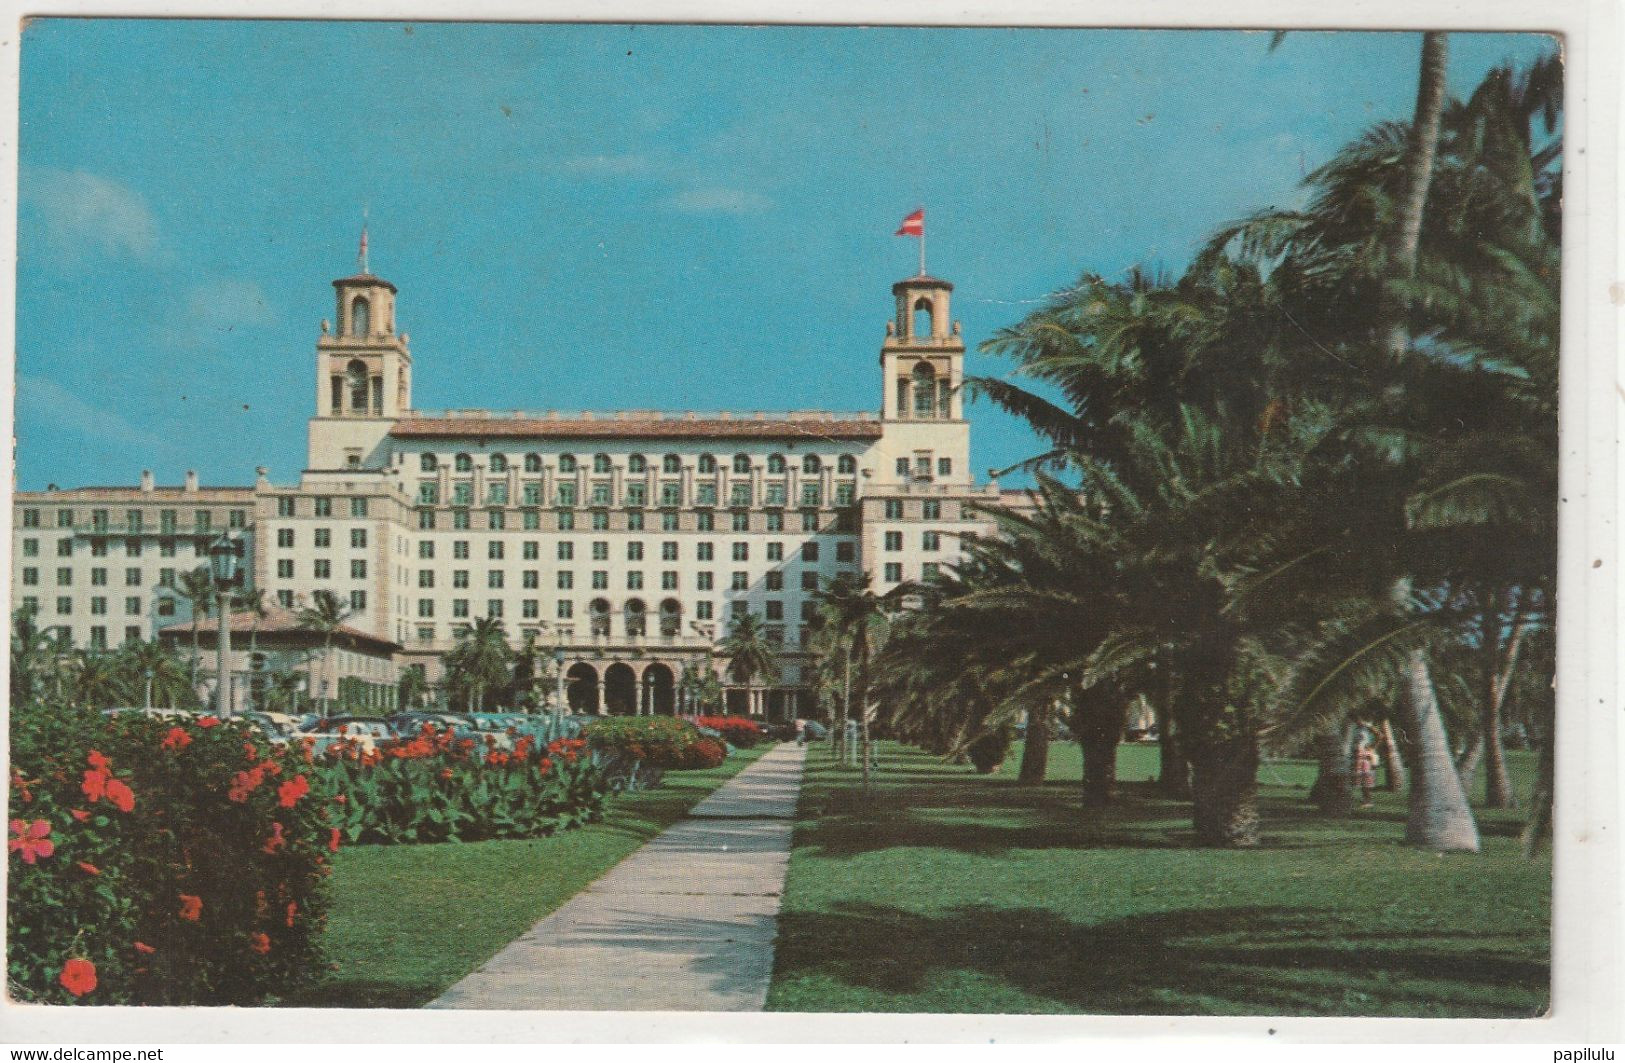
pixel 913 225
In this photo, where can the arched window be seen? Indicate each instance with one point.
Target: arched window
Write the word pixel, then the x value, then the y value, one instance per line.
pixel 671 617
pixel 600 463
pixel 671 463
pixel 567 463
pixel 355 376
pixel 708 464
pixel 428 463
pixel 811 465
pixel 463 463
pixel 925 391
pixel 360 317
pixel 499 463
pixel 775 464
pixel 846 465
pixel 635 617
pixel 598 616
pixel 533 463
pixel 922 317
pixel 637 463
pixel 742 463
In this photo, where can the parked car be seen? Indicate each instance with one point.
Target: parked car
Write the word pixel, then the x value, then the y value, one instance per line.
pixel 366 731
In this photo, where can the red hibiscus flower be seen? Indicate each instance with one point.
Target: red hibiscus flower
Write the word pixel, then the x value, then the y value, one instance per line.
pixel 333 840
pixel 97 761
pixel 177 739
pixel 79 814
pixel 191 907
pixel 142 946
pixel 250 751
pixel 95 784
pixel 289 793
pixel 31 840
pixel 78 976
pixel 89 869
pixel 207 722
pixel 122 796
pixel 260 943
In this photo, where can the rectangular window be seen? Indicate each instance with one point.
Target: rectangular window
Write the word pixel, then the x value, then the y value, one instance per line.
pixel 671 494
pixel 600 521
pixel 98 520
pixel 739 494
pixel 530 608
pixel 459 549
pixel 567 494
pixel 358 538
pixel 933 510
pixel 64 518
pixel 98 607
pixel 284 506
pixel 358 600
pixel 567 551
pixel 668 522
pixel 425 520
pixel 668 581
pixel 98 638
pixel 132 548
pixel 132 577
pixel 741 581
pixel 809 581
pixel 809 551
pixel 64 548
pixel 775 580
pixel 324 538
pixel 64 577
pixel 902 467
pixel 98 548
pixel 811 495
pixel 426 608
pixel 775 551
pixel 931 541
pixel 567 521
pixel 426 578
pixel 703 581
pixel 324 569
pixel 705 494
pixel 565 610
pixel 30 518
pixel 809 520
pixel 460 520
pixel 637 495
pixel 894 540
pixel 532 520
pixel 600 494
pixel 894 572
pixel 567 580
pixel 358 507
pixel 845 552
pixel 928 571
pixel 64 606
pixel 634 520
pixel 600 580
pixel 324 507
pixel 634 581
pixel 845 494
pixel 426 633
pixel 426 549
pixel 738 607
pixel 703 611
pixel 809 611
pixel 922 467
pixel 741 551
pixel 459 578
pixel 496 520
pixel 532 494
pixel 634 551
pixel 704 551
pixel 741 522
pixel 705 521
pixel 775 610
pixel 237 518
pixel 30 577
pixel 284 538
pixel 531 579
pixel 493 550
pixel 98 577
pixel 775 495
pixel 496 494
pixel 894 509
pixel 462 494
pixel 774 521
pixel 358 569
pixel 459 608
pixel 600 551
pixel 30 547
pixel 945 466
pixel 668 551
pixel 493 579
pixel 284 568
pixel 284 598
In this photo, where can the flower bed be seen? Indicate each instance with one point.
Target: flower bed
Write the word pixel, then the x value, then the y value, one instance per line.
pixel 633 746
pixel 740 731
pixel 437 787
pixel 160 862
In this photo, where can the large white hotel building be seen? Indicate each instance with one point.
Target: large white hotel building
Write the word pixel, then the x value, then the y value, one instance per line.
pixel 625 541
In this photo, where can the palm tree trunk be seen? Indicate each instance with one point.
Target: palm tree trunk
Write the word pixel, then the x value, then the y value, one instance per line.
pixel 1539 827
pixel 1430 92
pixel 1224 792
pixel 1333 792
pixel 1035 749
pixel 1393 765
pixel 1173 769
pixel 1497 783
pixel 1439 815
pixel 1099 725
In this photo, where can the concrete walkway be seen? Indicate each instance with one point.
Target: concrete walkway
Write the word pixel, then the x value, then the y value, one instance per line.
pixel 686 923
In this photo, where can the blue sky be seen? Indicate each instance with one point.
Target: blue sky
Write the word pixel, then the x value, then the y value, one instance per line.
pixel 602 217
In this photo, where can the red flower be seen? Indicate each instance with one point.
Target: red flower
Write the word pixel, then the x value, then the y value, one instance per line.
pixel 275 841
pixel 207 722
pixel 546 764
pixel 260 943
pixel 250 752
pixel 31 839
pixel 97 761
pixel 79 814
pixel 191 907
pixel 142 946
pixel 89 869
pixel 95 784
pixel 177 739
pixel 445 773
pixel 289 793
pixel 122 796
pixel 333 840
pixel 78 976
pixel 293 910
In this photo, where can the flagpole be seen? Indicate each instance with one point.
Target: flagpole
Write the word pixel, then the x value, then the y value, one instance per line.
pixel 922 246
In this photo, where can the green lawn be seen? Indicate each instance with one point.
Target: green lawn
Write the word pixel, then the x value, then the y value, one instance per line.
pixel 945 891
pixel 409 920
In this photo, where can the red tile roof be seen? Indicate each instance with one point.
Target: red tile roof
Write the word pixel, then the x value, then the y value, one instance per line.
pixel 743 427
pixel 275 622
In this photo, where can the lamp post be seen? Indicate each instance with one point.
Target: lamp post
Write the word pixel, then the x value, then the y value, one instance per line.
pixel 223 568
pixel 558 679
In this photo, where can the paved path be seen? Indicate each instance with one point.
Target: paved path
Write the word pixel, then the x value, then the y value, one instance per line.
pixel 686 923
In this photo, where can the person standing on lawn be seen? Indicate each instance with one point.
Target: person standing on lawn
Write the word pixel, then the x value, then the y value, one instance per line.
pixel 1365 770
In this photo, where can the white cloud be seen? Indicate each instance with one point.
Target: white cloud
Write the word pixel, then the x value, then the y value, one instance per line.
pixel 605 165
pixel 52 404
pixel 719 201
pixel 82 213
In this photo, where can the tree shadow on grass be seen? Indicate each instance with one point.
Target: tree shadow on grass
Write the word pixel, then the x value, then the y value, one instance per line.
pixel 1257 960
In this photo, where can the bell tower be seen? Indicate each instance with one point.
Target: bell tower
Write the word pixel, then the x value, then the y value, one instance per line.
pixel 922 364
pixel 363 373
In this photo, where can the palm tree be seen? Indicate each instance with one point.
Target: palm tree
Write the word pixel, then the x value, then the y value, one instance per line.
pixel 197 588
pixel 252 600
pixel 154 670
pixel 98 680
pixel 326 615
pixel 748 652
pixel 854 617
pixel 35 653
pixel 481 659
pixel 413 687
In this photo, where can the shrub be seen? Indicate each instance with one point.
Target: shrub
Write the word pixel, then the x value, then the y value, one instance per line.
pixel 160 861
pixel 706 753
pixel 989 751
pixel 640 743
pixel 740 731
pixel 437 787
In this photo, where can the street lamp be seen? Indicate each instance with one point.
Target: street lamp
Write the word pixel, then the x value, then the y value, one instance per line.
pixel 223 568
